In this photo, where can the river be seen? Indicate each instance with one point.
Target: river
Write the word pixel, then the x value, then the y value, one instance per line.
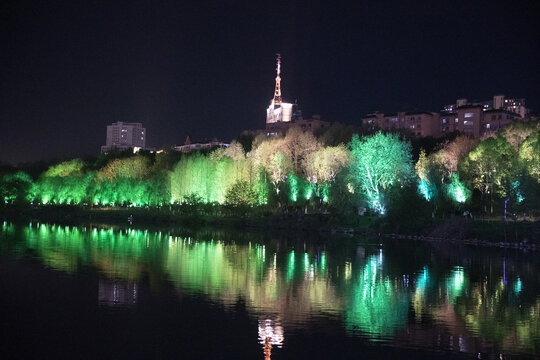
pixel 97 291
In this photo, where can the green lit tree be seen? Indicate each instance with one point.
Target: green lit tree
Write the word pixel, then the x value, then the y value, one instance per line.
pixel 64 183
pixel 241 193
pixel 424 168
pixel 378 163
pixel 17 188
pixel 491 167
pixel 529 155
pixel 457 191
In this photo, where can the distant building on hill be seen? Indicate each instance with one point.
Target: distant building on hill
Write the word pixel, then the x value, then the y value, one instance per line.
pixel 476 119
pixel 499 102
pixel 421 124
pixel 124 135
pixel 280 116
pixel 199 145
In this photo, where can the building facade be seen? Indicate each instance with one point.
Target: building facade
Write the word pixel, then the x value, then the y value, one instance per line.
pixel 475 119
pixel 420 124
pixel 199 145
pixel 124 135
pixel 499 102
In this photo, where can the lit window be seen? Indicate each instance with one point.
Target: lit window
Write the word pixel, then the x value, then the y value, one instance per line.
pixel 444 121
pixel 468 115
pixel 456 120
pixel 467 123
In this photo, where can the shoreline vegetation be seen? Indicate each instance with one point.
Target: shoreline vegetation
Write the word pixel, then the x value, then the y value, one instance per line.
pixel 339 181
pixel 515 233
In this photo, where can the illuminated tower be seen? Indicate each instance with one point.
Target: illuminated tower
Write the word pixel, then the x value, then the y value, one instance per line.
pixel 277 92
pixel 278 111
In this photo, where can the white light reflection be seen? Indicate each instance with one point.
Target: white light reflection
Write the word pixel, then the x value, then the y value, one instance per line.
pixel 270 334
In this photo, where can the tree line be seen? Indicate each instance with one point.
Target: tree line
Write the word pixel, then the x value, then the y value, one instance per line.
pixel 339 170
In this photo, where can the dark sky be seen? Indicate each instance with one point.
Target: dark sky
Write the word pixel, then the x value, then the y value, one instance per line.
pixel 69 68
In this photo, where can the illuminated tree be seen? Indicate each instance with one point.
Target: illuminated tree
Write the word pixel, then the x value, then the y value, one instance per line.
pixel 235 151
pixel 208 177
pixel 191 176
pixel 491 166
pixel 450 155
pixel 241 193
pixel 379 162
pixel 279 167
pixel 272 158
pixel 17 188
pixel 422 165
pixel 67 168
pixel 299 145
pixel 517 132
pixel 65 183
pixel 322 166
pixel 457 191
pixel 529 155
pixel 264 151
pixel 135 167
pixel 425 169
pixel 124 181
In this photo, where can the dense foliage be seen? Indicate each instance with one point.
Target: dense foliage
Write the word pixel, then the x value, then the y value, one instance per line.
pixel 374 172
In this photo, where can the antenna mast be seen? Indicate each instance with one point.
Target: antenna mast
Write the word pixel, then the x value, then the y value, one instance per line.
pixel 277 92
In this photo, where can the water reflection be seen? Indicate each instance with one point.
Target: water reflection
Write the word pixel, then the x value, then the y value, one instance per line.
pixel 483 304
pixel 270 335
pixel 115 293
pixel 377 304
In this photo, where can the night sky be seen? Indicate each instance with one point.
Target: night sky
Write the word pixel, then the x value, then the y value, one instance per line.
pixel 69 68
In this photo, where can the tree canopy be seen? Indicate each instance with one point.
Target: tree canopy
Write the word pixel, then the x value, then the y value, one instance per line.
pixel 379 162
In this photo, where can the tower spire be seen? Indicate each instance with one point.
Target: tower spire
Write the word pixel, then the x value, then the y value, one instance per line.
pixel 277 92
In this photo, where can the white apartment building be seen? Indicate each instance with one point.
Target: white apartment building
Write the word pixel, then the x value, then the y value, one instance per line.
pixel 124 135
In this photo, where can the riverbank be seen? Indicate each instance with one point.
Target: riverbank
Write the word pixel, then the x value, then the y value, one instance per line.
pixel 195 216
pixel 484 232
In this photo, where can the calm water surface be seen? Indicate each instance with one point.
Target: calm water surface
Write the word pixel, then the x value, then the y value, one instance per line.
pixel 104 292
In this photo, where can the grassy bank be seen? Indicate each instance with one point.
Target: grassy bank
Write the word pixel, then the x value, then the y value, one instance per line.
pixel 195 216
pixel 510 233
